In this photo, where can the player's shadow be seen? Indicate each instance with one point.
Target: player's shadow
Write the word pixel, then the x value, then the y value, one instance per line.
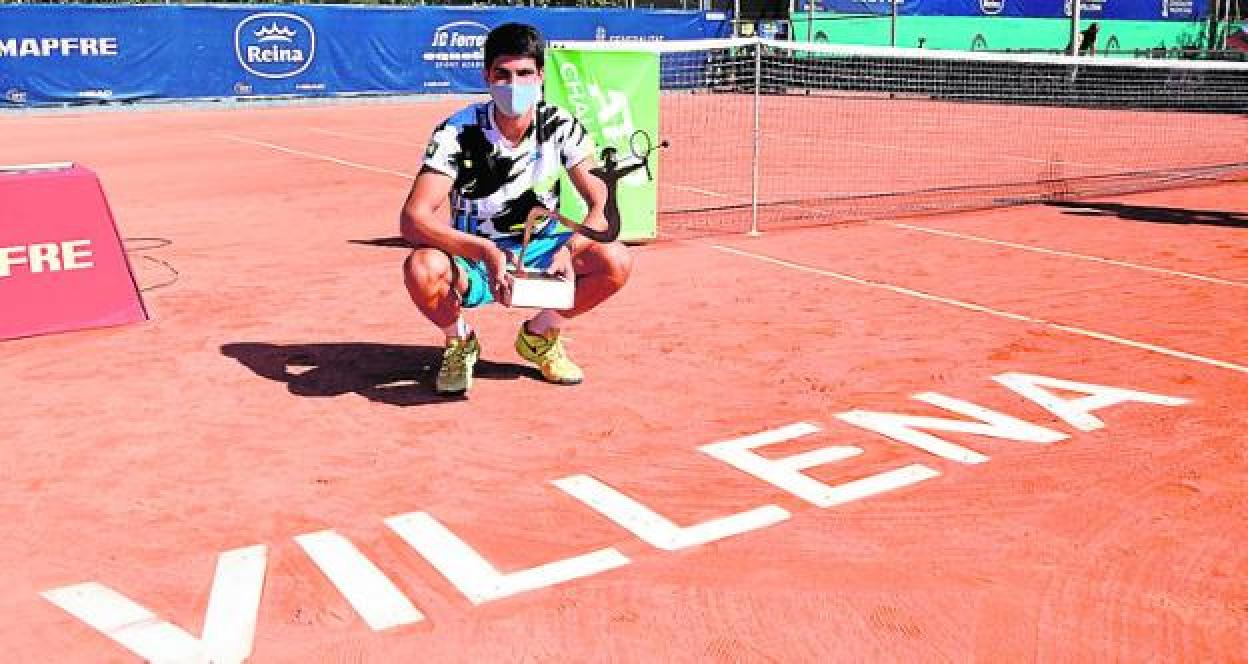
pixel 396 242
pixel 385 373
pixel 1160 215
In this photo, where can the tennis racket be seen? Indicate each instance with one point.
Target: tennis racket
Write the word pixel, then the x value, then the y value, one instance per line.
pixel 642 146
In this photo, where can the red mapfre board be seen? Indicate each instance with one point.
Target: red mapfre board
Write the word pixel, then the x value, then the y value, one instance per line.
pixel 62 265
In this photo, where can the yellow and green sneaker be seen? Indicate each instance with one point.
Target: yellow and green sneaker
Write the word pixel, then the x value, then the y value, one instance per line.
pixel 546 351
pixel 455 375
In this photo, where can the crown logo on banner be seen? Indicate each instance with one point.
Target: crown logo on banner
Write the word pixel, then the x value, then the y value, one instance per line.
pixel 275 32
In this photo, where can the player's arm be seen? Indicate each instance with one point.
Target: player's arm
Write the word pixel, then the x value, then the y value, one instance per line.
pixel 422 225
pixel 422 221
pixel 576 151
pixel 592 190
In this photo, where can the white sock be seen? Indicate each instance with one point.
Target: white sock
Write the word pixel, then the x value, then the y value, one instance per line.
pixel 545 321
pixel 458 330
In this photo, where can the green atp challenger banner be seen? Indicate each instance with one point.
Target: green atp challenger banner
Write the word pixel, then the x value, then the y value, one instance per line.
pixel 615 94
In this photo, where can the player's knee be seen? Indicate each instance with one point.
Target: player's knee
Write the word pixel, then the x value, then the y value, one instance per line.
pixel 427 269
pixel 618 263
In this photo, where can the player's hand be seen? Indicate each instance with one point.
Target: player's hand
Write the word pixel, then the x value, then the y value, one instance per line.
pixel 561 265
pixel 496 261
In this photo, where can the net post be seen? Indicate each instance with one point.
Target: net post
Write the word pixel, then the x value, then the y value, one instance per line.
pixel 892 31
pixel 1226 25
pixel 754 175
pixel 810 20
pixel 1074 26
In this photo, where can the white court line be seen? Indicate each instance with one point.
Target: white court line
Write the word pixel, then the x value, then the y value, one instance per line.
pixel 655 529
pixel 362 137
pixel 1138 127
pixel 980 162
pixel 1122 341
pixel 315 155
pixel 386 171
pixel 479 580
pixel 1066 254
pixel 876 484
pixel 229 626
pixel 704 192
pixel 371 593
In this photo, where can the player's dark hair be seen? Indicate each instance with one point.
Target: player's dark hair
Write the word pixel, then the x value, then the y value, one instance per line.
pixel 515 39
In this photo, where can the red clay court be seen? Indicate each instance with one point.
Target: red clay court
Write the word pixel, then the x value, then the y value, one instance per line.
pixel 263 468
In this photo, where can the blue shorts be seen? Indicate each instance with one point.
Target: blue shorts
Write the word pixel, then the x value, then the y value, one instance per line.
pixel 538 256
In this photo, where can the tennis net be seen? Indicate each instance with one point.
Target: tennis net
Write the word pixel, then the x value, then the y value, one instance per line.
pixel 765 134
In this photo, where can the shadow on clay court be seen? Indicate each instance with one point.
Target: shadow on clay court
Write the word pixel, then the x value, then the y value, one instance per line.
pixel 384 373
pixel 1160 215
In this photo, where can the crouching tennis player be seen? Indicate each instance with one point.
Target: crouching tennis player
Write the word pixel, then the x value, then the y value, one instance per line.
pixel 492 163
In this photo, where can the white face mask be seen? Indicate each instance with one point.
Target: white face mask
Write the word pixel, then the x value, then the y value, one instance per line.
pixel 515 99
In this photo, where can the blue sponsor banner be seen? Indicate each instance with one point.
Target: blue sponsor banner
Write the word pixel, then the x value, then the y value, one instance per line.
pixel 76 53
pixel 1119 10
pixel 80 55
